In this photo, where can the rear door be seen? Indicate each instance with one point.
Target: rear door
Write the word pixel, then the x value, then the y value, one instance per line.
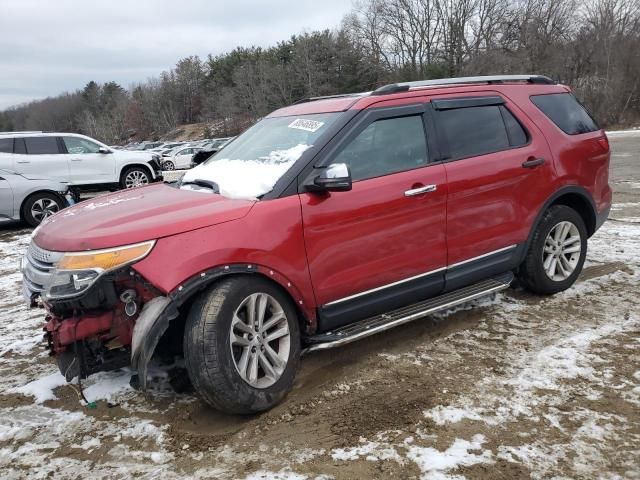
pixel 500 171
pixel 85 162
pixel 382 244
pixel 40 157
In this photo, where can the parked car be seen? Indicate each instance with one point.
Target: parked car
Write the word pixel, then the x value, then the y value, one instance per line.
pixel 180 158
pixel 80 161
pixel 328 221
pixel 210 149
pixel 31 198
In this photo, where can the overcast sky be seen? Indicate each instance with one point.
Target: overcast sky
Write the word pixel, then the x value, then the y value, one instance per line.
pixel 51 46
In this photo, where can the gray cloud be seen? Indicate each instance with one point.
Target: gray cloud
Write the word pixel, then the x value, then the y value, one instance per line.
pixel 49 47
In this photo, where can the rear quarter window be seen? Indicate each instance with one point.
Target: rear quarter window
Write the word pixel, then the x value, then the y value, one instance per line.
pixel 566 112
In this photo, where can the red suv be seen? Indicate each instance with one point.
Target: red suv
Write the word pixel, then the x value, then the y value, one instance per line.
pixel 328 221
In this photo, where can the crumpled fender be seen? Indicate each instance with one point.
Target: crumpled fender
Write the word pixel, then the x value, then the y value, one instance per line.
pixel 153 321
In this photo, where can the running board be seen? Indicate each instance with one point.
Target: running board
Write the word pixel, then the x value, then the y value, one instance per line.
pixel 380 323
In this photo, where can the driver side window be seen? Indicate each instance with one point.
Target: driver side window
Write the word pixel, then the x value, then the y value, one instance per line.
pixel 386 146
pixel 77 145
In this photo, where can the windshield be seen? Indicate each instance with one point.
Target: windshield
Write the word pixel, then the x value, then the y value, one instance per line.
pixel 251 165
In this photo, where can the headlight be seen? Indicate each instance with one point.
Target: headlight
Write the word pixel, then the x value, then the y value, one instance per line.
pixel 75 272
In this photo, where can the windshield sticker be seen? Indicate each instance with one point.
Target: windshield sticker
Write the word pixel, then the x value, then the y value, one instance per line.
pixel 308 125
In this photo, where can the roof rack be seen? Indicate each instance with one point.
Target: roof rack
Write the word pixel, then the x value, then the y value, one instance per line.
pixel 343 95
pixel 490 79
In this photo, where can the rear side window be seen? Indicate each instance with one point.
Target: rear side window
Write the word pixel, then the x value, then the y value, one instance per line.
pixel 474 131
pixel 41 145
pixel 566 112
pixel 6 145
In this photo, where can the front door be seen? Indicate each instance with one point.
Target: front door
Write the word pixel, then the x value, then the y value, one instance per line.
pixel 382 244
pixel 86 164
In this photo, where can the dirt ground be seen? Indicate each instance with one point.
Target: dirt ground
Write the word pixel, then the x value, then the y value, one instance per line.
pixel 508 387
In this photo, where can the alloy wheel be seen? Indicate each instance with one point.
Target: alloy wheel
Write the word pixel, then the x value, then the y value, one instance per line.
pixel 43 208
pixel 561 251
pixel 260 340
pixel 136 178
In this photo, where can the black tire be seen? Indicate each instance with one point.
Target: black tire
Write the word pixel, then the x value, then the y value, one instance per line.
pixel 532 273
pixel 135 171
pixel 168 165
pixel 208 353
pixel 50 202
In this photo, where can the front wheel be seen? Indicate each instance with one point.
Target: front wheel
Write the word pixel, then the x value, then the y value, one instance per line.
pixel 135 177
pixel 557 252
pixel 168 165
pixel 242 345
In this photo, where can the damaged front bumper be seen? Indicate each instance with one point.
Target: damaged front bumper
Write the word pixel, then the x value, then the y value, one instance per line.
pixel 116 322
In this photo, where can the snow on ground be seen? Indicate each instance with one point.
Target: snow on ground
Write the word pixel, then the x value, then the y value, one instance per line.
pixel 532 387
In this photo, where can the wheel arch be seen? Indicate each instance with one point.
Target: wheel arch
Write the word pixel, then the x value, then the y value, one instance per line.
pixel 34 193
pixel 129 166
pixel 575 197
pixel 171 320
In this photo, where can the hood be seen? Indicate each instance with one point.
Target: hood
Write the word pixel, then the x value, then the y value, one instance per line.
pixel 135 215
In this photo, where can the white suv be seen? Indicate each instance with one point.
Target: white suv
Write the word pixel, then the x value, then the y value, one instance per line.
pixel 80 161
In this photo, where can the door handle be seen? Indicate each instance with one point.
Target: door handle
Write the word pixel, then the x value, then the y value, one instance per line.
pixel 23 161
pixel 533 163
pixel 420 190
pixel 76 159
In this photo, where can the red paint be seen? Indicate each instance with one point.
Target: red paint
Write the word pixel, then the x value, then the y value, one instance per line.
pixel 374 235
pixel 136 215
pixel 65 332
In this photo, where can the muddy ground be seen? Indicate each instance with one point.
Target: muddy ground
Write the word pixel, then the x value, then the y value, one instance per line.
pixel 512 386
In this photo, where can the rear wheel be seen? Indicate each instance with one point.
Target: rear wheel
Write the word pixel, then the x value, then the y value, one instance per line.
pixel 557 252
pixel 40 206
pixel 135 177
pixel 242 345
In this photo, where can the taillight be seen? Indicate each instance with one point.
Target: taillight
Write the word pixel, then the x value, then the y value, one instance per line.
pixel 603 141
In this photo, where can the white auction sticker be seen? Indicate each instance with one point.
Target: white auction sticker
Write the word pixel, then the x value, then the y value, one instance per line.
pixel 308 125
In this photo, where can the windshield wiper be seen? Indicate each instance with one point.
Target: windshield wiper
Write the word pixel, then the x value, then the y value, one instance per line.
pixel 203 183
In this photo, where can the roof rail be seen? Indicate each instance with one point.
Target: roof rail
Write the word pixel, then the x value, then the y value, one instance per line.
pixel 490 79
pixel 14 133
pixel 313 99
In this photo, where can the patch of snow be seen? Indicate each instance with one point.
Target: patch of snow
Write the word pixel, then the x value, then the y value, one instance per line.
pixel 435 464
pixel 442 415
pixel 371 451
pixel 247 179
pixel 42 388
pixel 281 475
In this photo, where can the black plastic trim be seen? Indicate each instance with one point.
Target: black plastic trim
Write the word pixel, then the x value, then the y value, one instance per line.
pixel 482 268
pixel 465 102
pixel 348 311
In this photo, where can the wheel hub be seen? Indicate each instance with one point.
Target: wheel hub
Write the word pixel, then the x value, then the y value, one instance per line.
pixel 260 340
pixel 561 252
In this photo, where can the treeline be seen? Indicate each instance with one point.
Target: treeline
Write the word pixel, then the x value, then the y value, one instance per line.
pixel 594 46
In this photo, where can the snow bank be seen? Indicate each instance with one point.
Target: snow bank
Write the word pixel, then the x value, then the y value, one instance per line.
pixel 246 179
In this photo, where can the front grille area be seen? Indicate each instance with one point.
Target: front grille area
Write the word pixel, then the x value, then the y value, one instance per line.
pixel 37 267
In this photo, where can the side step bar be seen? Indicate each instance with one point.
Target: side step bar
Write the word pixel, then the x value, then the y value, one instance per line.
pixel 380 323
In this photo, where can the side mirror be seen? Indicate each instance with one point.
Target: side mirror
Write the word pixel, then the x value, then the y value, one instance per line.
pixel 334 178
pixel 104 150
